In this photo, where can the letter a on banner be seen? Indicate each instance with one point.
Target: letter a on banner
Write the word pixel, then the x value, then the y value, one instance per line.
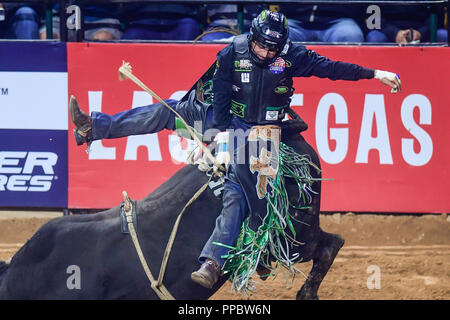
pixel 374 109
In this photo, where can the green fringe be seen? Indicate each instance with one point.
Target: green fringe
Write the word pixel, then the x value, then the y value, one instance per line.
pixel 254 247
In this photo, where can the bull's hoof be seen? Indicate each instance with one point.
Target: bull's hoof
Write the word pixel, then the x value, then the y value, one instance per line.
pixel 263 272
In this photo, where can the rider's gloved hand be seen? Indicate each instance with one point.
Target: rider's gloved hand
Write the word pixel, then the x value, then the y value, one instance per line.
pixel 389 78
pixel 223 155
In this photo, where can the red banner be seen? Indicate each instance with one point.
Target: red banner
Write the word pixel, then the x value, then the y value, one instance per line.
pixel 384 152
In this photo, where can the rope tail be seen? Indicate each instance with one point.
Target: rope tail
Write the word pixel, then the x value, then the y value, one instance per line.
pixel 272 238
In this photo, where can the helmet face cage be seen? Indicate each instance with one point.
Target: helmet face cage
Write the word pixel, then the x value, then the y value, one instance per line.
pixel 270 30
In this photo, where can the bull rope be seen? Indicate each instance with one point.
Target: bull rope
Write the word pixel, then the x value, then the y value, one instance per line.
pixel 159 289
pixel 157 285
pixel 218 169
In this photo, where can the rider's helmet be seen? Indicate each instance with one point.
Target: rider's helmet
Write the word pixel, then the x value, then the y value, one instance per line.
pixel 270 30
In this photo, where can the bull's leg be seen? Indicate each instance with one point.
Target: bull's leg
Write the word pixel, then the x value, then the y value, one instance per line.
pixel 3 266
pixel 323 257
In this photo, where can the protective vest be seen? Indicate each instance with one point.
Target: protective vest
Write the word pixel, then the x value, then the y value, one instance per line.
pixel 260 94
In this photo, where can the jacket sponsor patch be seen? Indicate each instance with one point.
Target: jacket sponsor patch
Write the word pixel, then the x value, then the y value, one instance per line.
pixel 281 89
pixel 243 65
pixel 271 115
pixel 278 66
pixel 245 77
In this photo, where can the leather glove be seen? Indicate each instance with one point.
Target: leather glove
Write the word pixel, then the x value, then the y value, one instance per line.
pixel 223 155
pixel 389 78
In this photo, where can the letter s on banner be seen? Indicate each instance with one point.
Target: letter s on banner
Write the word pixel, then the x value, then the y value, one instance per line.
pixel 426 144
pixel 340 135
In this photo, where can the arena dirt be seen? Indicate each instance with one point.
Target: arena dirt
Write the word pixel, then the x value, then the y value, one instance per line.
pixel 411 253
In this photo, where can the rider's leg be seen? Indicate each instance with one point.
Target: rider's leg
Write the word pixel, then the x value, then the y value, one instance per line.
pixel 226 231
pixel 141 120
pixel 148 119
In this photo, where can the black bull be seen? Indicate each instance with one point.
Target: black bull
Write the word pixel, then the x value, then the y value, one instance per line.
pixel 106 260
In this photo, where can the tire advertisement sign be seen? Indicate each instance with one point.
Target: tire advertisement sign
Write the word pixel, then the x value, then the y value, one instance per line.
pixel 33 125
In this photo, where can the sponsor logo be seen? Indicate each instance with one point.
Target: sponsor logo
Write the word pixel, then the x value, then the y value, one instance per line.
pixel 243 65
pixel 27 171
pixel 238 109
pixel 281 90
pixel 271 115
pixel 278 66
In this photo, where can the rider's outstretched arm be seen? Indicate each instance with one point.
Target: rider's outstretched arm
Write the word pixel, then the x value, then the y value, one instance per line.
pixel 313 64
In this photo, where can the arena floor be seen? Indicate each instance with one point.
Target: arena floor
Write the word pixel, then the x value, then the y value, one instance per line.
pixel 411 252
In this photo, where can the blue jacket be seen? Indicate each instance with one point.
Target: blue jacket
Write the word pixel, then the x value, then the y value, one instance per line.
pixel 300 62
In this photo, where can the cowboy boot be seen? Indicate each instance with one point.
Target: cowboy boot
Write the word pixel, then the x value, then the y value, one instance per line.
pixel 82 121
pixel 207 275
